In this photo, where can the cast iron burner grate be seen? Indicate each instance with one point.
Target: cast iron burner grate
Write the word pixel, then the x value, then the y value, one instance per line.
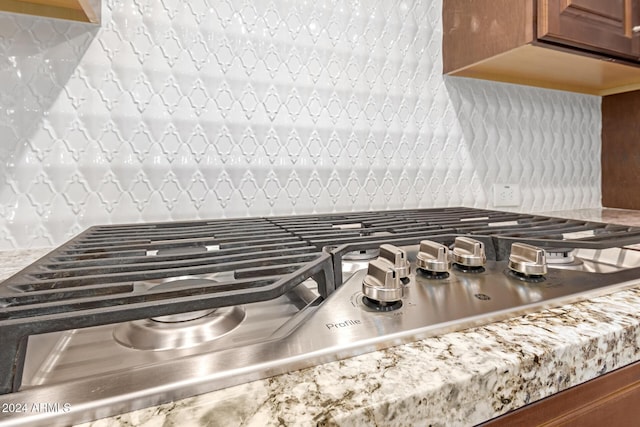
pixel 91 280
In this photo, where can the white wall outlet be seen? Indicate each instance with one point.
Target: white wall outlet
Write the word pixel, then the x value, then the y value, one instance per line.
pixel 506 195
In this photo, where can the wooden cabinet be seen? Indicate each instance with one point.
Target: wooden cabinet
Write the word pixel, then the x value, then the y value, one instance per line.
pixel 76 10
pixel 610 400
pixel 587 46
pixel 597 25
pixel 620 153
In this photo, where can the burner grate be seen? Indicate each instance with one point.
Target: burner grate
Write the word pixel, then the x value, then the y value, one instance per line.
pixel 93 279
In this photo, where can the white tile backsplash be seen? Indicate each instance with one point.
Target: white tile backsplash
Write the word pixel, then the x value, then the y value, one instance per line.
pixel 201 109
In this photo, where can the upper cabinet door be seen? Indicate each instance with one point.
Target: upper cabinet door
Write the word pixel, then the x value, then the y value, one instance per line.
pixel 599 25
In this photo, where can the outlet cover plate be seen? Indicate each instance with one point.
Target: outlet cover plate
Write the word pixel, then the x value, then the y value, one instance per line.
pixel 506 195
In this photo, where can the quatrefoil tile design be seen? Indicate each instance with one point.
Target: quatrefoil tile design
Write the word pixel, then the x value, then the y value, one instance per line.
pixel 177 110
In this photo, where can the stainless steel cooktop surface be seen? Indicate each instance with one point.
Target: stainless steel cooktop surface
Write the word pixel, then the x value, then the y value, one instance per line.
pixel 124 317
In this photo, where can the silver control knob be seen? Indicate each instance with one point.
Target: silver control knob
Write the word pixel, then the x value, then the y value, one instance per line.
pixel 382 283
pixel 433 257
pixel 398 260
pixel 468 252
pixel 527 260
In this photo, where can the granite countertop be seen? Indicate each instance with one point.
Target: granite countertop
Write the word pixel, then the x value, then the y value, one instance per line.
pixel 460 378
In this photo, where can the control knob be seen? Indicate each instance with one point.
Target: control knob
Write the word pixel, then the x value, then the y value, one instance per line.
pixel 398 259
pixel 433 259
pixel 383 287
pixel 527 261
pixel 468 255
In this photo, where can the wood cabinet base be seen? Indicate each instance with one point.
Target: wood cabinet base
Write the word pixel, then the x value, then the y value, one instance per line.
pixel 612 399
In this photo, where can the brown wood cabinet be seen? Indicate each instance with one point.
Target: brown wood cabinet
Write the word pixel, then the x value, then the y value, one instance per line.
pixel 597 25
pixel 620 151
pixel 588 46
pixel 610 400
pixel 76 10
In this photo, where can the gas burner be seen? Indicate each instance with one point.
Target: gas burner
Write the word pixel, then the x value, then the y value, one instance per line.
pixel 174 283
pixel 363 255
pixel 181 330
pixel 562 258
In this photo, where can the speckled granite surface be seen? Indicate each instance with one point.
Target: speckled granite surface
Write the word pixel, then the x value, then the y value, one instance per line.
pixel 614 216
pixel 460 378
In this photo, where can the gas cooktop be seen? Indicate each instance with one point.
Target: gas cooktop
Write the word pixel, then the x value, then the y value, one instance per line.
pixel 127 316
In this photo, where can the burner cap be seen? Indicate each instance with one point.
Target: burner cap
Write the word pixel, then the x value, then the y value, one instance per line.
pixel 150 334
pixel 560 255
pixel 363 255
pixel 181 330
pixel 176 284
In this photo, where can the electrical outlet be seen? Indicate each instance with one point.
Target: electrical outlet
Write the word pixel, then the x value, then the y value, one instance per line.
pixel 506 195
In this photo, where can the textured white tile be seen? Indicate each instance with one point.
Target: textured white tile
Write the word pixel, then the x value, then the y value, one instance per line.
pixel 174 110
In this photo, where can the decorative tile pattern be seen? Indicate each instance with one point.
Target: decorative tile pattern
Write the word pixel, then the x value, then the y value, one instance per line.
pixel 210 108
